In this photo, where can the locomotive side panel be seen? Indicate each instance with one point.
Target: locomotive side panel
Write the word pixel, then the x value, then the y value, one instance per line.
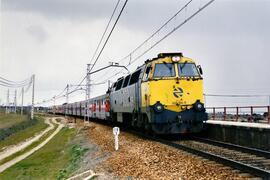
pixel 125 97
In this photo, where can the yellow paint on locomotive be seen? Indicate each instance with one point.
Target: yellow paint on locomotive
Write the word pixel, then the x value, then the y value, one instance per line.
pixel 163 90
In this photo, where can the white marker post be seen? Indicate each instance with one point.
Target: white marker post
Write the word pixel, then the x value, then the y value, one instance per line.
pixel 116 132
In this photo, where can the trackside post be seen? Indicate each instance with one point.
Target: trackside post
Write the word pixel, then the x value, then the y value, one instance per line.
pixel 116 132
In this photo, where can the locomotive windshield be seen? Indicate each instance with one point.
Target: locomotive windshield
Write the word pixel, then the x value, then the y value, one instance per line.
pixel 164 70
pixel 187 69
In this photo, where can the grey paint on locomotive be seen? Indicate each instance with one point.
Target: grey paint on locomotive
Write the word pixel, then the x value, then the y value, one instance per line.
pixel 127 99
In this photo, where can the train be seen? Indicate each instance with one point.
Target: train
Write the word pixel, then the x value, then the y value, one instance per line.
pixel 163 96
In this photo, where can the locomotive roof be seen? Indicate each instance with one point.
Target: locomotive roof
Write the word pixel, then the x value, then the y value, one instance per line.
pixel 164 55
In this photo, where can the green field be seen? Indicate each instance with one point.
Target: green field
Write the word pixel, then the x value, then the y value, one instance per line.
pixel 28 148
pixel 56 160
pixel 8 120
pixel 24 133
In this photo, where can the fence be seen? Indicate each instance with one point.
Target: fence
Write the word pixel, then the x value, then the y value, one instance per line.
pixel 259 114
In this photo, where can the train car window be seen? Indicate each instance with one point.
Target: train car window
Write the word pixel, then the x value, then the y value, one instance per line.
pixel 126 81
pixel 119 84
pixel 164 70
pixel 135 77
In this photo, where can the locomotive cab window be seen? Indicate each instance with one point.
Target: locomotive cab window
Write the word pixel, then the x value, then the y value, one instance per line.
pixel 187 69
pixel 147 72
pixel 164 70
pixel 135 77
pixel 119 84
pixel 126 81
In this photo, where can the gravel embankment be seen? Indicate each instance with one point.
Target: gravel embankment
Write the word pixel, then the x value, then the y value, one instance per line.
pixel 143 159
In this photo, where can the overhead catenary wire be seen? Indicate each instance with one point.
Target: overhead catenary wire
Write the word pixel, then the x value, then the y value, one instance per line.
pixel 152 35
pixel 61 95
pixel 78 86
pixel 101 39
pixel 236 95
pixel 168 34
pixel 157 31
pixel 108 37
pixel 15 84
pixel 174 29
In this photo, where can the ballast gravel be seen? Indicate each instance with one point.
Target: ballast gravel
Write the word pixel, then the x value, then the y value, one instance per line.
pixel 138 158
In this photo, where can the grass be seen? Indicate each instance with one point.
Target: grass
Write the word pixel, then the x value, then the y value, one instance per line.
pixel 34 144
pixel 8 120
pixel 56 160
pixel 24 134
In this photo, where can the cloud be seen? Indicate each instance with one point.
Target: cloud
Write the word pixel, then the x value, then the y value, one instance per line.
pixel 38 33
pixel 67 9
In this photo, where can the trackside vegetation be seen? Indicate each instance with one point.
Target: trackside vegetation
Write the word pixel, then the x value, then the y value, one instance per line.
pixel 28 148
pixel 21 131
pixel 11 119
pixel 6 132
pixel 56 160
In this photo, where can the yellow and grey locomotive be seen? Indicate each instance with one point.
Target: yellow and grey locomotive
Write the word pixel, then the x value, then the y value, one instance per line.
pixel 165 95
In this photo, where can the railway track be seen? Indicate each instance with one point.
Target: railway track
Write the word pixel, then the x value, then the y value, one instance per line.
pixel 248 160
pixel 252 161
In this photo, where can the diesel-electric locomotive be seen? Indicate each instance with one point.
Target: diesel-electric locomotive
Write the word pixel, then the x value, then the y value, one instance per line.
pixel 164 95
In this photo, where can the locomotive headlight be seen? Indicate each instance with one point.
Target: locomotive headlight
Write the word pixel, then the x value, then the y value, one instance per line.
pixel 198 106
pixel 176 58
pixel 158 107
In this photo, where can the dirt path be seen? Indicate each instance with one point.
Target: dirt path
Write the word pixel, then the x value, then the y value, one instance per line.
pixel 18 147
pixel 23 156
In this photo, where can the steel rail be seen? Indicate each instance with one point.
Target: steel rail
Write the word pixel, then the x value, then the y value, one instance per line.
pixel 226 161
pixel 249 150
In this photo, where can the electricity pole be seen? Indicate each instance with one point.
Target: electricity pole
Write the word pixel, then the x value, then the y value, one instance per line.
pixel 22 100
pixel 85 106
pixel 67 99
pixel 88 90
pixel 15 101
pixel 7 105
pixel 54 108
pixel 33 96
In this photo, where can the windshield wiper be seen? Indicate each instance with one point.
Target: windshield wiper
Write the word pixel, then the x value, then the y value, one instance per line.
pixel 169 67
pixel 182 66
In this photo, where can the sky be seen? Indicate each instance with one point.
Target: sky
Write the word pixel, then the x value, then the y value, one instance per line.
pixel 55 39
